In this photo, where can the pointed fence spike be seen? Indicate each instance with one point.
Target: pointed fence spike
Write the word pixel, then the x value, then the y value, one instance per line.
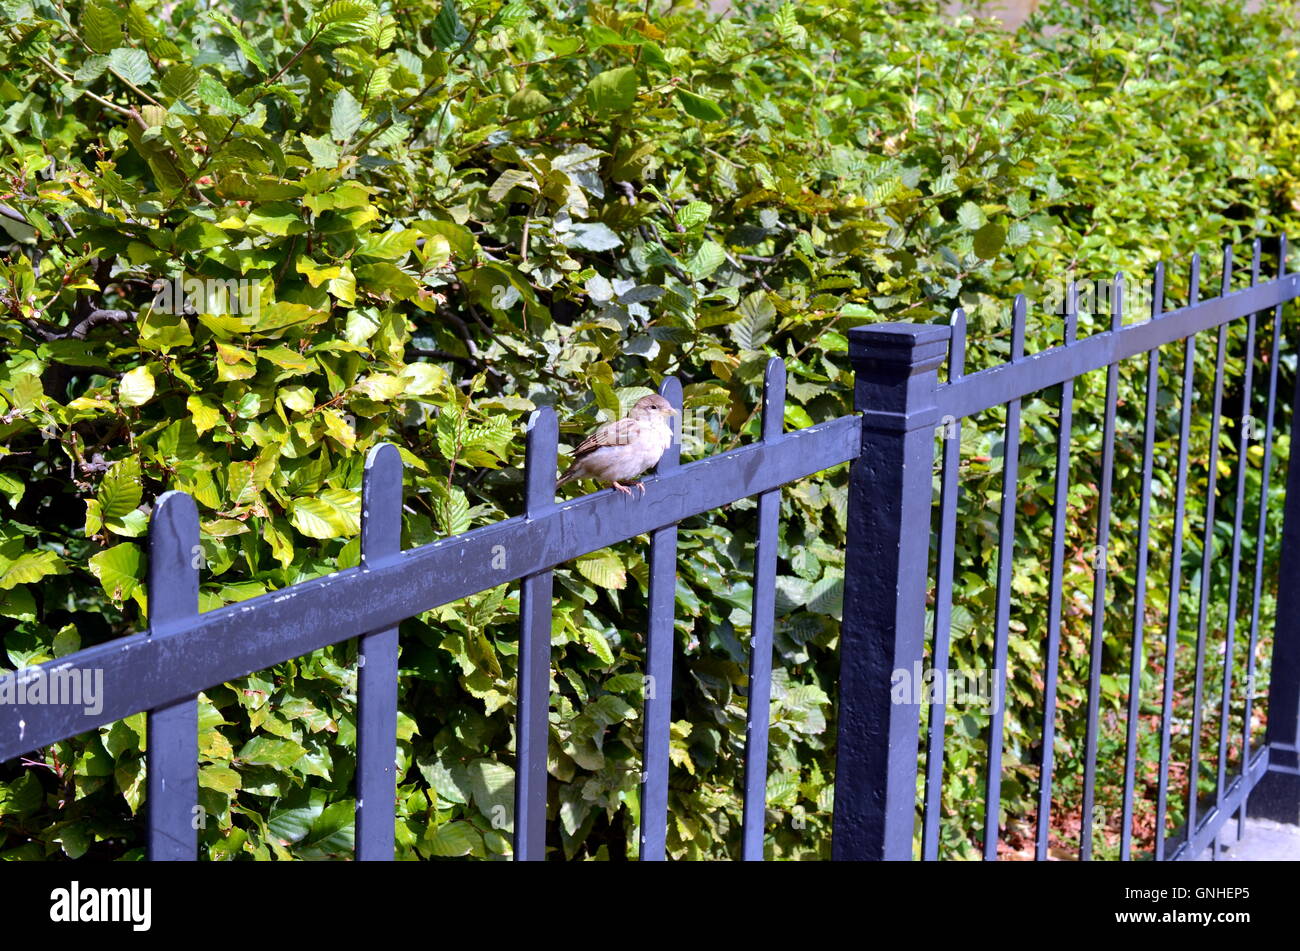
pixel 763 615
pixel 1072 313
pixel 658 682
pixel 381 537
pixel 935 719
pixel 541 451
pixel 1117 301
pixel 1018 312
pixel 175 556
pixel 957 346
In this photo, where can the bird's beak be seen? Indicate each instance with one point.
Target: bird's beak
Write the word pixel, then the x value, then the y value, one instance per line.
pixel 673 411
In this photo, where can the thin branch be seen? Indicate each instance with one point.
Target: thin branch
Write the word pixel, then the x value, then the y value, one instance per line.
pixel 446 355
pixel 14 214
pixel 97 317
pixel 129 113
pixel 462 330
pixel 234 124
pixel 528 221
pixel 48 331
pixel 388 120
pixel 77 36
pixel 41 328
pixel 296 56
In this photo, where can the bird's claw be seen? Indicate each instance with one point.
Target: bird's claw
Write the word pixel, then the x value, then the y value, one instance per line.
pixel 641 486
pixel 622 488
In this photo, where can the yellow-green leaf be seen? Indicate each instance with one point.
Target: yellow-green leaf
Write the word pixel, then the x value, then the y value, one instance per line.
pixel 120 492
pixel 599 646
pixel 603 568
pixel 333 513
pixel 120 569
pixel 136 387
pixel 31 566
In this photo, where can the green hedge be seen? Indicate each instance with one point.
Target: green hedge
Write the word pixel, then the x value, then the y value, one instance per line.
pixel 452 212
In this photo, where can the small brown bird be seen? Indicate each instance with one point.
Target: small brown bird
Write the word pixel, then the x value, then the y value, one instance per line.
pixel 621 450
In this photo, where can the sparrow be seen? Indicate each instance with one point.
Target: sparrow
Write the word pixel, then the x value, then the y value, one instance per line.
pixel 621 450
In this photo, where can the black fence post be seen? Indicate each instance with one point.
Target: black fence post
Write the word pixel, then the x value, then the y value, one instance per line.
pixel 887 557
pixel 1278 794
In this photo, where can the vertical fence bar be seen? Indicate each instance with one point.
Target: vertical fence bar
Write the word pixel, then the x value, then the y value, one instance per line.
pixel 1243 462
pixel 1006 564
pixel 659 660
pixel 763 616
pixel 1262 527
pixel 1207 557
pixel 946 559
pixel 173 730
pixel 1278 794
pixel 533 727
pixel 886 561
pixel 1060 515
pixel 381 538
pixel 1176 567
pixel 1100 564
pixel 1140 583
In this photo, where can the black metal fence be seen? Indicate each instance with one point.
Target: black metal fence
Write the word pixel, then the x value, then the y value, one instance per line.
pixel 891 444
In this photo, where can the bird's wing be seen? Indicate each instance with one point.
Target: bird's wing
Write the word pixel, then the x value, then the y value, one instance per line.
pixel 620 432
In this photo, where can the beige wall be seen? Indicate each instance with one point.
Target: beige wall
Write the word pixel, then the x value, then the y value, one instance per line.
pixel 1015 12
pixel 1012 12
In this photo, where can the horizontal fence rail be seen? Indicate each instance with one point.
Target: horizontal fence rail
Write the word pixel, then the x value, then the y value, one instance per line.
pixel 230 642
pixel 999 385
pixel 890 443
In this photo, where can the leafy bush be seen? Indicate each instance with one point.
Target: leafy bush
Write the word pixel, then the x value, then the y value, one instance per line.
pixel 447 213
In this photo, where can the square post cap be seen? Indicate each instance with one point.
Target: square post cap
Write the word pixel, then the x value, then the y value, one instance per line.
pixel 898 346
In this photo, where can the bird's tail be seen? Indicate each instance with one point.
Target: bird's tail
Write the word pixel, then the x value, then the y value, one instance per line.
pixel 568 476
